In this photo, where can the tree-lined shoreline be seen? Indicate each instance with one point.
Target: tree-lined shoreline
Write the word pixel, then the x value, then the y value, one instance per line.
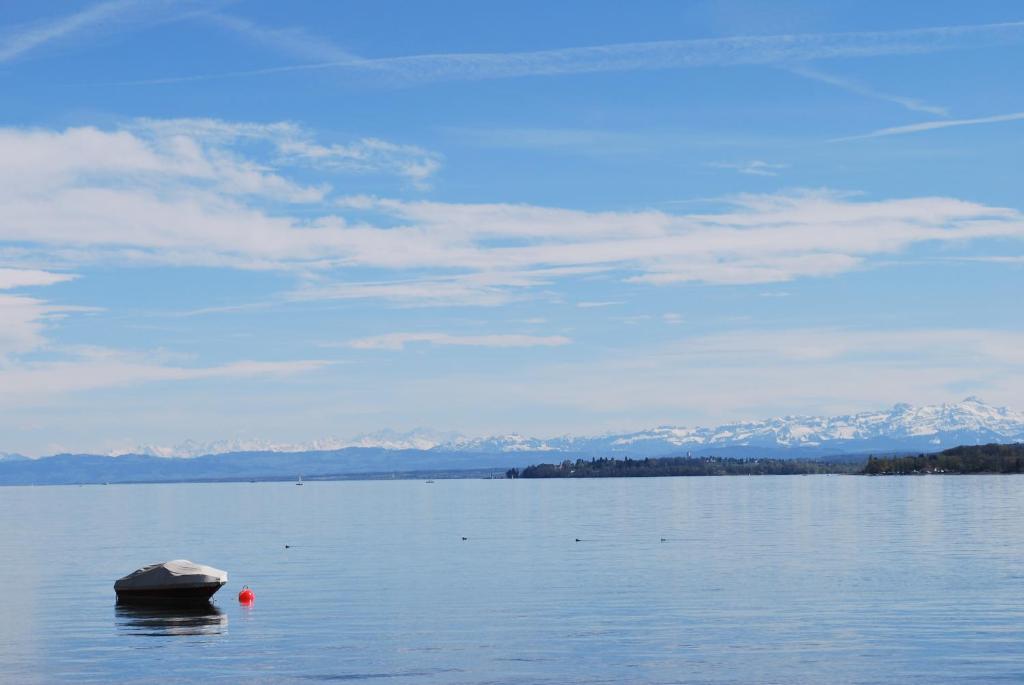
pixel 965 459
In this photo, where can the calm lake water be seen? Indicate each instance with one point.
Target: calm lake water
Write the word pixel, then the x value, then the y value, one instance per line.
pixel 816 579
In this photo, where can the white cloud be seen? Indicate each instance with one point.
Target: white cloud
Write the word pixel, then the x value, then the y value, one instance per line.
pixel 755 167
pixel 147 160
pixel 169 192
pixel 933 125
pixel 22 278
pixel 24 323
pixel 762 239
pixel 23 319
pixel 190 192
pixel 398 341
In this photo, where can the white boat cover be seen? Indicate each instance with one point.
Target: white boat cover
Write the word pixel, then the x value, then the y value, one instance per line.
pixel 179 573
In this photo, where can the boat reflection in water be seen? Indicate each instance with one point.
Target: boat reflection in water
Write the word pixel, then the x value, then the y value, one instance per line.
pixel 158 621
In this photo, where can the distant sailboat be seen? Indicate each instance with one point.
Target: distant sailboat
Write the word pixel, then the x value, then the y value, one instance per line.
pixel 300 480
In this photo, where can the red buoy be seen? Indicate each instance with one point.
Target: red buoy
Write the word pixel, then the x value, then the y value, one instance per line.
pixel 246 596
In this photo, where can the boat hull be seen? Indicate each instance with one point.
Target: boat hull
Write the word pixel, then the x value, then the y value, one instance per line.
pixel 182 594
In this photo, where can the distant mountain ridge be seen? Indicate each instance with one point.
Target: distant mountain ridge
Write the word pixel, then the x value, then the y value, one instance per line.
pixel 10 456
pixel 418 439
pixel 899 430
pixel 903 426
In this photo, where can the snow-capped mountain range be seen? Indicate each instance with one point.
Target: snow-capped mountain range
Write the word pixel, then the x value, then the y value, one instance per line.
pixel 418 439
pixel 902 427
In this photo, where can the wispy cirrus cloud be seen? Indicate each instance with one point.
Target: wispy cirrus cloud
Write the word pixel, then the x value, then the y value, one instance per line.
pixel 292 144
pixel 858 88
pixel 755 167
pixel 748 373
pixel 289 40
pixel 739 374
pixel 934 125
pixel 398 341
pixel 24 324
pixel 961 347
pixel 92 369
pixel 994 259
pixel 20 40
pixel 593 304
pixel 679 54
pixel 367 155
pixel 586 141
pixel 485 288
pixel 419 292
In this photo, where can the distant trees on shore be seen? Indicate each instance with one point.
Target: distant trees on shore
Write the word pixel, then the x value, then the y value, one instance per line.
pixel 606 467
pixel 992 458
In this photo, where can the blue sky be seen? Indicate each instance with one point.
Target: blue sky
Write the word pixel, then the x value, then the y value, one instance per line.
pixel 291 221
